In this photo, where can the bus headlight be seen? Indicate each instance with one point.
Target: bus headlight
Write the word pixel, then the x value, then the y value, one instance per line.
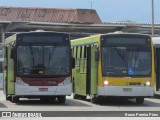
pixel 148 83
pixel 66 81
pixel 107 83
pixel 20 81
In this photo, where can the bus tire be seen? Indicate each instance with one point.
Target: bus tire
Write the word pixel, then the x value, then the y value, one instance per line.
pixel 51 99
pixel 93 99
pixel 83 97
pixel 75 96
pixel 8 98
pixel 140 100
pixel 15 99
pixel 44 99
pixel 61 99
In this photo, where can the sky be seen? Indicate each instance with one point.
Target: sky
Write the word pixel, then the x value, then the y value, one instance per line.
pixel 108 10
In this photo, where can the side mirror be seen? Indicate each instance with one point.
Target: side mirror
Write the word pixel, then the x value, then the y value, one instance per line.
pixel 12 53
pixel 96 55
pixel 73 63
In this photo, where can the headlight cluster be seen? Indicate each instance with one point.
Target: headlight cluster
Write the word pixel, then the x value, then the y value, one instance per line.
pixel 20 81
pixel 107 83
pixel 66 81
pixel 147 83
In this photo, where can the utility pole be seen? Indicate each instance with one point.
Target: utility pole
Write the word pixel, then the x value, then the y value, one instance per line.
pixel 91 2
pixel 152 18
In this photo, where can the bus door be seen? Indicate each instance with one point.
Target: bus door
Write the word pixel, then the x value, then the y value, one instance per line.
pixel 88 70
pixel 9 78
pixel 91 86
pixel 1 74
pixel 158 69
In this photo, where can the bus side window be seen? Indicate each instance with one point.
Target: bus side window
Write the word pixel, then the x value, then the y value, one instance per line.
pixel 76 52
pixel 81 60
pixel 80 51
pixel 78 57
pixel 72 51
pixel 85 52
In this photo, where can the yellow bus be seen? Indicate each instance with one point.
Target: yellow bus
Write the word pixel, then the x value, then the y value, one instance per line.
pixel 113 65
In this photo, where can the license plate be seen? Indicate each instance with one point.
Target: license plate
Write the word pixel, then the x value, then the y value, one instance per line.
pixel 127 89
pixel 43 89
pixel 135 83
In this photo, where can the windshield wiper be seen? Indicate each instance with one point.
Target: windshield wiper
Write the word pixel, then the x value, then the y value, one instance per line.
pixel 51 55
pixel 30 47
pixel 122 56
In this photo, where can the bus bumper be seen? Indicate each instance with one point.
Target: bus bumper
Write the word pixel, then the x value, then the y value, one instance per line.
pixel 21 90
pixel 132 91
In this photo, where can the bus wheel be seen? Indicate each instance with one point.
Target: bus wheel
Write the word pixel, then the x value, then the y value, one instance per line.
pixel 43 99
pixel 52 99
pixel 75 96
pixel 8 98
pixel 83 97
pixel 61 99
pixel 93 99
pixel 15 99
pixel 140 100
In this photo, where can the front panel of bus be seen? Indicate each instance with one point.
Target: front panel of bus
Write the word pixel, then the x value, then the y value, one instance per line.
pixel 127 67
pixel 42 64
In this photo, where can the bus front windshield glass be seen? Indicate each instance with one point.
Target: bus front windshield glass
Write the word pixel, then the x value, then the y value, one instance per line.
pixel 126 61
pixel 43 60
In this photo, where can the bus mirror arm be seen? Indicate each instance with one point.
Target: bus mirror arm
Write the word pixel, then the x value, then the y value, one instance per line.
pixel 96 55
pixel 73 62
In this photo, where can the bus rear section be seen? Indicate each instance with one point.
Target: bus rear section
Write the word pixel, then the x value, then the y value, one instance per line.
pixel 126 66
pixel 38 66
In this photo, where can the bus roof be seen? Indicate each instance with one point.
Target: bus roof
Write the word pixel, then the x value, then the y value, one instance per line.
pixel 13 37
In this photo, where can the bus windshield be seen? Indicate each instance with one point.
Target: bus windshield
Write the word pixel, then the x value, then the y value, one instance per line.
pixel 42 60
pixel 126 61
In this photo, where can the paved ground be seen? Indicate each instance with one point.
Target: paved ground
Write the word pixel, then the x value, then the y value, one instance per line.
pixel 116 105
pixel 150 104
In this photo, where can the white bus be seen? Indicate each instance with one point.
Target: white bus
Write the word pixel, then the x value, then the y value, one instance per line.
pixel 38 65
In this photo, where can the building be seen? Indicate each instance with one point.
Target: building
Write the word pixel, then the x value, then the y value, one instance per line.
pixel 77 22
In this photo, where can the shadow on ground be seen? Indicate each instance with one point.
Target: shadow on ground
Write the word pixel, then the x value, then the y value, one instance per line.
pixel 126 102
pixel 2 105
pixel 68 103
